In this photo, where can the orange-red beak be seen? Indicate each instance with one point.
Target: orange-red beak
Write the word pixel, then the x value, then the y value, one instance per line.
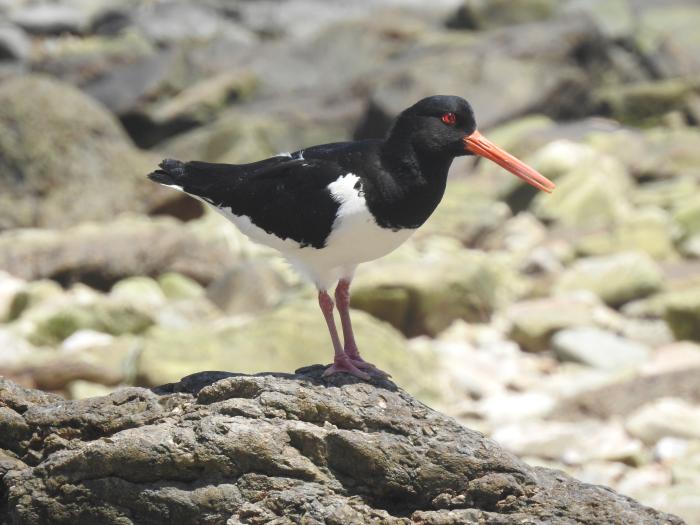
pixel 480 145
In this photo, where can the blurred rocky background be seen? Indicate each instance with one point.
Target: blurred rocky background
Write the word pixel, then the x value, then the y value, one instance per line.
pixel 565 326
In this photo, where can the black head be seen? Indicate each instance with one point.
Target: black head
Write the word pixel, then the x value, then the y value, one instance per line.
pixel 444 127
pixel 437 125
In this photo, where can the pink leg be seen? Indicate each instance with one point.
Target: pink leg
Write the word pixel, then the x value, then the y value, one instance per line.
pixel 341 362
pixel 342 298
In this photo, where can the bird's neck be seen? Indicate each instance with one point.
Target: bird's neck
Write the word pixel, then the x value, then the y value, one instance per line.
pixel 409 187
pixel 411 167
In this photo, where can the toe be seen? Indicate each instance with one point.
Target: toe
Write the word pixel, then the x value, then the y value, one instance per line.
pixel 370 368
pixel 345 366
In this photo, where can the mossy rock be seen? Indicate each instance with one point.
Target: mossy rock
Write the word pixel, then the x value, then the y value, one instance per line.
pixel 592 193
pixel 57 144
pixel 488 14
pixel 177 286
pixel 138 291
pixel 687 216
pixel 616 279
pixel 668 37
pixel 282 340
pixel 466 213
pixel 649 230
pixel 467 285
pixel 656 153
pixel 101 316
pixel 682 313
pixel 646 103
pixel 32 295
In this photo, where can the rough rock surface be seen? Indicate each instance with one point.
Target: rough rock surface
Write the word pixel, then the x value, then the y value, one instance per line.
pixel 273 448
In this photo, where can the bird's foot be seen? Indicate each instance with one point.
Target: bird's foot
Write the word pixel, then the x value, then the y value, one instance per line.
pixel 344 364
pixel 364 365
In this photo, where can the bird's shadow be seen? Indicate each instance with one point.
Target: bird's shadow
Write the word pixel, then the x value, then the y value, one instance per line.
pixel 312 374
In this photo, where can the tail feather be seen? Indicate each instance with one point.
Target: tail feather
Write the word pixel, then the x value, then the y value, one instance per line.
pixel 170 172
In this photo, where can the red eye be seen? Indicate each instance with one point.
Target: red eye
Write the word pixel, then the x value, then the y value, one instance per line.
pixel 449 118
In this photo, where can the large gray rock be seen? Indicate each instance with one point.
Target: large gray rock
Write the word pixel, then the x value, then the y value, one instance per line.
pixel 273 448
pixel 477 65
pixel 100 255
pixel 598 348
pixel 58 146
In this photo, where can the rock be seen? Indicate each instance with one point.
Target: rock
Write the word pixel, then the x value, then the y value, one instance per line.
pixel 682 313
pixel 88 356
pixel 665 193
pixel 522 135
pixel 13 350
pixel 667 38
pixel 32 294
pixel 139 291
pixel 648 230
pixel 480 14
pixel 669 449
pixel 687 216
pixel 227 140
pixel 55 144
pixel 177 286
pixel 653 333
pixel 614 18
pixel 533 322
pixel 14 43
pixel 673 357
pixel 249 287
pixel 665 417
pixel 83 61
pixel 280 339
pixel 598 348
pixel 570 442
pixel 51 19
pixel 590 194
pixel 124 87
pixel 191 108
pixel 276 447
pixel 481 62
pixel 52 324
pixel 520 235
pixel 646 103
pixel 654 154
pixel 466 214
pixel 690 247
pixel 177 22
pixel 101 255
pixel 621 397
pixel 9 287
pixel 453 284
pixel 616 279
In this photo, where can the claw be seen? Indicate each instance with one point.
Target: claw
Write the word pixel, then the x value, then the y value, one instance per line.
pixel 346 365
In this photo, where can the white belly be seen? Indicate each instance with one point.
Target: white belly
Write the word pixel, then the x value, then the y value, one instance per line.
pixel 355 238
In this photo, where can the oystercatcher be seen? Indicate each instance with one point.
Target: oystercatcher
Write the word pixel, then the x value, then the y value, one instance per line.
pixel 331 207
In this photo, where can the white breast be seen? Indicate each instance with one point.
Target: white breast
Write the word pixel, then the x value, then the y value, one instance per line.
pixel 355 238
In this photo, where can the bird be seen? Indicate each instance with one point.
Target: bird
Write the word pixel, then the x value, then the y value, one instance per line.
pixel 331 207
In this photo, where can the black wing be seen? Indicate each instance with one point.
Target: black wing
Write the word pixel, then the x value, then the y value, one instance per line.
pixel 285 196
